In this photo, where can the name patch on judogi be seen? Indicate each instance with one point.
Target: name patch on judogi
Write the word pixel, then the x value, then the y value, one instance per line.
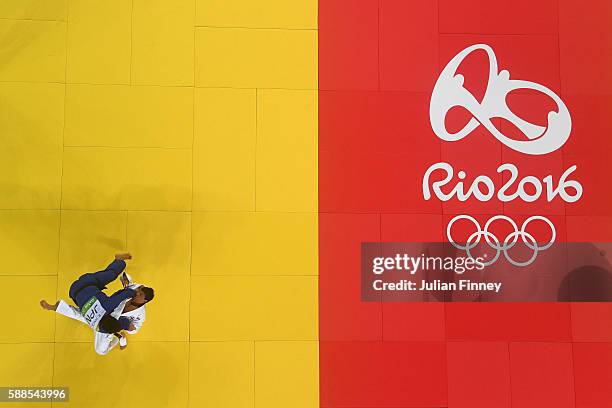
pixel 93 312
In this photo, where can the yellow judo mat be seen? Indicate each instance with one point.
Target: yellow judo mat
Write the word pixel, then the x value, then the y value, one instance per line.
pixel 184 132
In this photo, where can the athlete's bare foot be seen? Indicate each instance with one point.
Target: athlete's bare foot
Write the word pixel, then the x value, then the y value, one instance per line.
pixel 47 306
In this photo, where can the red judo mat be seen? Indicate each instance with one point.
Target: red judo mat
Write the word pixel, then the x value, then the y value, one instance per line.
pixel 379 61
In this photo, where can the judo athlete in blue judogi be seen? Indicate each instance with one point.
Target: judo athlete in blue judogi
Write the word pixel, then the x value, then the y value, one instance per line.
pixel 95 306
pixel 110 317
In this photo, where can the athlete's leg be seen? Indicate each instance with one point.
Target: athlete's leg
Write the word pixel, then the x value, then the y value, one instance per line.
pixel 98 279
pixel 72 312
pixel 109 274
pixel 104 343
pixel 45 305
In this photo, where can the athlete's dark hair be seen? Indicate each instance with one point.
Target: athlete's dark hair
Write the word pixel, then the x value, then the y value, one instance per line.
pixel 108 324
pixel 148 292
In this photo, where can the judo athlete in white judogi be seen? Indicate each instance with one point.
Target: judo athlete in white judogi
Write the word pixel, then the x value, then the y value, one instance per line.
pixel 104 342
pixel 130 311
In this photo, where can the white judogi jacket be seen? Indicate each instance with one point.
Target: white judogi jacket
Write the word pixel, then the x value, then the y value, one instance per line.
pixel 104 342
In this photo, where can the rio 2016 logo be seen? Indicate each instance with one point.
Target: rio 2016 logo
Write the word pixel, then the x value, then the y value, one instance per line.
pixel 449 92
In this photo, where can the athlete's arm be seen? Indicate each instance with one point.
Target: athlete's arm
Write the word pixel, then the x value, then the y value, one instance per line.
pixel 126 324
pixel 111 302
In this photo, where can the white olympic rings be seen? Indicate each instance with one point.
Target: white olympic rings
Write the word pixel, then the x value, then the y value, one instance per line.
pixel 508 243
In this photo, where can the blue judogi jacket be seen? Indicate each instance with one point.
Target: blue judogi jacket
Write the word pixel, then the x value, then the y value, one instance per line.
pixel 109 303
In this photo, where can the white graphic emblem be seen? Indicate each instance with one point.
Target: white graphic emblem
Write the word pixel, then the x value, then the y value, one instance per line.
pixel 449 92
pixel 508 243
